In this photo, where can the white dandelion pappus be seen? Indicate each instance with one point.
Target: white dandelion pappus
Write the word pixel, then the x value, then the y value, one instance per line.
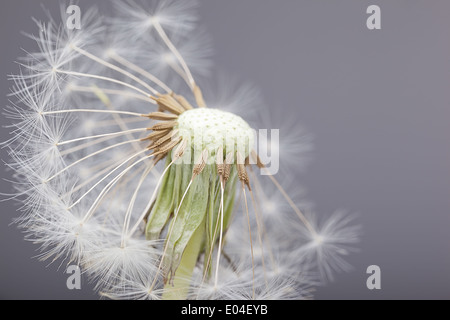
pixel 227 92
pixel 335 239
pixel 124 167
pixel 54 42
pixel 135 19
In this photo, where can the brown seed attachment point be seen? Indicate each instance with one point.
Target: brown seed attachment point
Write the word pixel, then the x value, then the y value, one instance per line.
pixel 227 167
pixel 179 151
pixel 242 172
pixel 219 162
pixel 164 125
pixel 201 164
pixel 157 135
pixel 161 146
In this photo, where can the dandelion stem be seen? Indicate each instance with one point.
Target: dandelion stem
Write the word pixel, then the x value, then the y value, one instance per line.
pixel 93 76
pixel 123 126
pixel 103 135
pixel 115 68
pixel 84 146
pixel 105 177
pixel 107 166
pixel 93 111
pixel 113 122
pixel 132 202
pixel 219 248
pixel 108 187
pixel 139 70
pixel 124 93
pixel 175 52
pixel 175 67
pixel 251 241
pixel 260 232
pixel 89 156
pixel 258 188
pixel 292 204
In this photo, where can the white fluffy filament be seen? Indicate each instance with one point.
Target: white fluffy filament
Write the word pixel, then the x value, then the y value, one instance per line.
pixel 106 176
pixel 251 241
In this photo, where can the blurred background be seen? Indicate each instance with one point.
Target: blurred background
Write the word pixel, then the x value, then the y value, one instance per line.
pixel 376 101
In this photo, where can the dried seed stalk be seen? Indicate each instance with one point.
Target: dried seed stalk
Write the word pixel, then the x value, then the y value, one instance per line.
pixel 168 136
pixel 165 148
pixel 164 125
pixel 183 102
pixel 219 162
pixel 179 151
pixel 167 103
pixel 199 97
pixel 157 135
pixel 162 116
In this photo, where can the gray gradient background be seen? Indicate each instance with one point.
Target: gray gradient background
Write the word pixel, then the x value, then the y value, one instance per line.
pixel 377 103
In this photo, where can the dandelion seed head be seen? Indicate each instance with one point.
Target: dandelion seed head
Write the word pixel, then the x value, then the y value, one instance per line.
pixel 101 117
pixel 335 239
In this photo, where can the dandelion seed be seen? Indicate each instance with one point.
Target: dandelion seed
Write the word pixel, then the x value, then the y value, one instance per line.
pixel 124 166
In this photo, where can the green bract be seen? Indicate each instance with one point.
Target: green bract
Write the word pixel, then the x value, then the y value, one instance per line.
pixel 197 215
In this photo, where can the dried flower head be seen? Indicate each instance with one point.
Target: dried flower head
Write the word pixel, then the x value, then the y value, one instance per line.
pixel 124 167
